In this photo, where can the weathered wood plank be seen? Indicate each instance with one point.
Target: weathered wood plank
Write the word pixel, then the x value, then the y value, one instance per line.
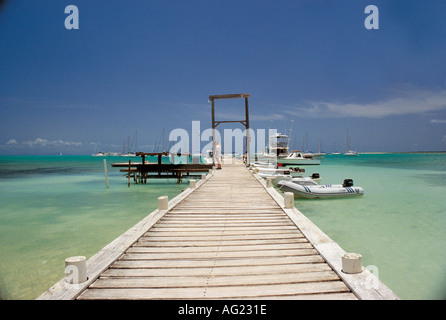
pixel 203 281
pixel 247 235
pixel 217 255
pixel 217 292
pixel 184 236
pixel 265 270
pixel 169 243
pixel 275 264
pixel 146 247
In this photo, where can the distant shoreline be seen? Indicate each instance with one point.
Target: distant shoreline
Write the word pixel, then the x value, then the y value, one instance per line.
pixel 390 152
pixel 367 152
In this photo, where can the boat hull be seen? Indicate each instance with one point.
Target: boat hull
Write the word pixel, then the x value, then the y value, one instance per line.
pixel 299 162
pixel 321 191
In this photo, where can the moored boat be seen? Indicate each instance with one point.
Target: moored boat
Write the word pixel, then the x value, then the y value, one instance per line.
pixel 298 158
pixel 311 190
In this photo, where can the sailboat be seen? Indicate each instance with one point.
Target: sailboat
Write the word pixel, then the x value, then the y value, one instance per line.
pixel 129 146
pixel 349 151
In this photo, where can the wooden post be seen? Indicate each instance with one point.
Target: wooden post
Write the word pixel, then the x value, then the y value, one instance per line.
pixel 106 173
pixel 288 198
pixel 163 203
pixel 143 172
pixel 248 136
pixel 76 269
pixel 213 132
pixel 129 174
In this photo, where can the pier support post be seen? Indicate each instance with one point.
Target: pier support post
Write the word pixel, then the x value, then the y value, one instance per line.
pixel 288 198
pixel 203 176
pixel 76 269
pixel 269 183
pixel 163 203
pixel 193 184
pixel 351 263
pixel 106 173
pixel 128 183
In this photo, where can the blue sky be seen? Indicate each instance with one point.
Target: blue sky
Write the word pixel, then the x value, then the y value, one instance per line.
pixel 146 65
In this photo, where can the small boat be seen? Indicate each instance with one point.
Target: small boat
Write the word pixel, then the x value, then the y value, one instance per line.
pixel 271 170
pixel 311 190
pixel 99 154
pixel 284 174
pixel 299 158
pixel 275 178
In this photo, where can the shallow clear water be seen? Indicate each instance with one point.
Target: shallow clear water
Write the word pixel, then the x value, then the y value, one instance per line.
pixel 56 207
pixel 398 225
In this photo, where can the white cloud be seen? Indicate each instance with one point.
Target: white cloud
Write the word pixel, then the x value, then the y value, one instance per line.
pixel 273 116
pixel 11 141
pixel 409 102
pixel 39 142
pixel 438 121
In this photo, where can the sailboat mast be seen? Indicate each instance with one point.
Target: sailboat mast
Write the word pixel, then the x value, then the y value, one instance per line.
pixel 348 142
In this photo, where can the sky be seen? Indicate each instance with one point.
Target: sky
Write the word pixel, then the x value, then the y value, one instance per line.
pixel 312 68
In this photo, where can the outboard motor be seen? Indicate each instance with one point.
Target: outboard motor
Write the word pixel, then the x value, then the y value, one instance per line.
pixel 347 183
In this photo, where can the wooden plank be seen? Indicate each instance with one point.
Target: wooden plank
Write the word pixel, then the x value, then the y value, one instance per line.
pixel 265 271
pixel 233 292
pixel 221 229
pixel 205 281
pixel 146 247
pixel 229 96
pixel 321 296
pixel 219 255
pixel 229 237
pixel 169 243
pixel 277 263
pixel 227 224
pixel 208 216
pixel 243 248
pixel 247 235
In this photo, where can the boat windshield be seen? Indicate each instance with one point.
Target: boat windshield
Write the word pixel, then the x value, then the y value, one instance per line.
pixel 279 142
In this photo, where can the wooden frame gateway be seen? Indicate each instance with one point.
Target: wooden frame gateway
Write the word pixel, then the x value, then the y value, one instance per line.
pixel 244 122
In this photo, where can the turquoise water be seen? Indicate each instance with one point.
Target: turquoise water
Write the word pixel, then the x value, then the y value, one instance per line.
pixel 398 226
pixel 56 207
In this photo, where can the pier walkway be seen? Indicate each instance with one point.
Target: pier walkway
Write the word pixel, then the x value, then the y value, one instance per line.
pixel 229 238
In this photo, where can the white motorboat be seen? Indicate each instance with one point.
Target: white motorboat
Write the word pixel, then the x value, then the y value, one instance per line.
pixel 270 171
pixel 313 180
pixel 282 173
pixel 278 145
pixel 311 190
pixel 298 158
pixel 278 153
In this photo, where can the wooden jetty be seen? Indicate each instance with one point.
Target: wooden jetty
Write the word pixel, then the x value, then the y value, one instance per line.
pixel 141 171
pixel 230 237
